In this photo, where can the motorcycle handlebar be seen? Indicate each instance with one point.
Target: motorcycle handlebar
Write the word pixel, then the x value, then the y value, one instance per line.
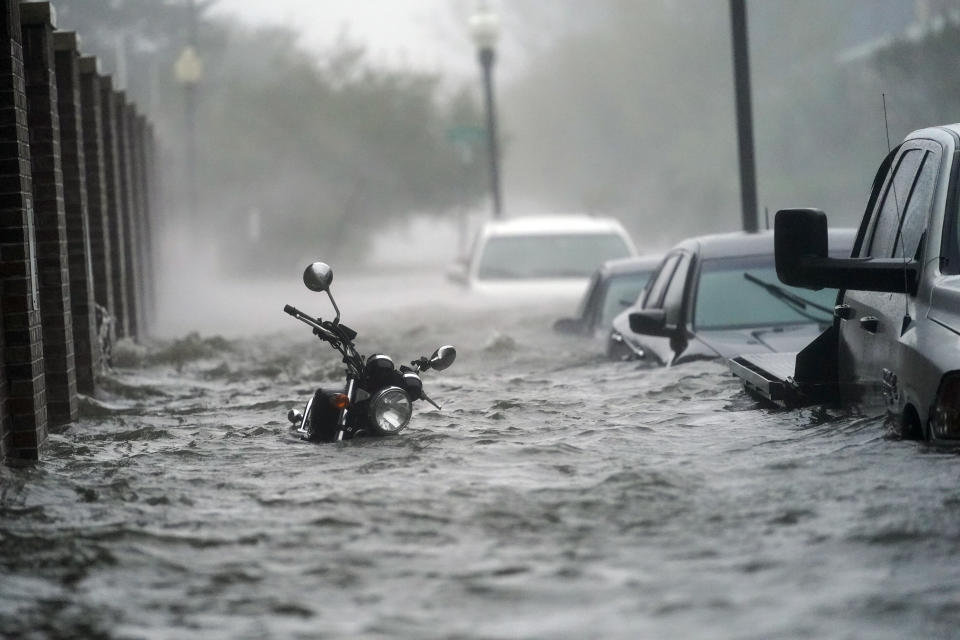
pixel 318 329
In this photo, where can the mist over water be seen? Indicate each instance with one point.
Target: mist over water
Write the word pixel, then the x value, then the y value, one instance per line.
pixel 555 495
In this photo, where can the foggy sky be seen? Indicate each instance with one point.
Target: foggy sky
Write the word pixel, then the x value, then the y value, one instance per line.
pixel 426 34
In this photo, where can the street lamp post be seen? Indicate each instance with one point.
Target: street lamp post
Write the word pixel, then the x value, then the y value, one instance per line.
pixel 485 30
pixel 188 72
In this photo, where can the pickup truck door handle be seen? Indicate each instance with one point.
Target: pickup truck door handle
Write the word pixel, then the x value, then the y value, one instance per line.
pixel 869 324
pixel 843 311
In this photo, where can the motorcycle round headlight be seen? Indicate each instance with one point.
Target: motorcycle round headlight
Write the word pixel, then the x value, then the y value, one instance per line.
pixel 390 411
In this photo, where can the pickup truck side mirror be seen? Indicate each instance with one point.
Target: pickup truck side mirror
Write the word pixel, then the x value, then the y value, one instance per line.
pixel 802 259
pixel 650 322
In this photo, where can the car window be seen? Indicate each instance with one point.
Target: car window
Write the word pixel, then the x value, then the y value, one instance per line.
pixel 548 256
pixel 660 281
pixel 622 291
pixel 673 298
pixel 726 299
pixel 589 299
pixel 887 221
pixel 918 208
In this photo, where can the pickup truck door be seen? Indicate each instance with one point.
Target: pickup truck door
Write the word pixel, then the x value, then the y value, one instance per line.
pixel 666 292
pixel 871 323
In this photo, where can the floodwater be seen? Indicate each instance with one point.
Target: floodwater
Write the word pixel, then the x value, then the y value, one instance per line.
pixel 556 495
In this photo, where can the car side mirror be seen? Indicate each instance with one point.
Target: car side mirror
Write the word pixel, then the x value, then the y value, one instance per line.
pixel 650 322
pixel 803 260
pixel 568 326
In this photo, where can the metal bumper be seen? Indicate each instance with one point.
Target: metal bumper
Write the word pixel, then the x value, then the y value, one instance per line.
pixel 770 376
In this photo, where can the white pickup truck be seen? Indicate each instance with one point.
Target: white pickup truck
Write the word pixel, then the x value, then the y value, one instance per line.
pixel 540 257
pixel 895 339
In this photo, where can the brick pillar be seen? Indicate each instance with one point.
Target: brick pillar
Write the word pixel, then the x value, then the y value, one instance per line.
pixel 146 243
pixel 36 20
pixel 82 308
pixel 117 215
pixel 6 436
pixel 97 207
pixel 152 213
pixel 129 205
pixel 26 408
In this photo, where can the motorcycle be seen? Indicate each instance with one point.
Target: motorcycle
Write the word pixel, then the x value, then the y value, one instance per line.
pixel 377 397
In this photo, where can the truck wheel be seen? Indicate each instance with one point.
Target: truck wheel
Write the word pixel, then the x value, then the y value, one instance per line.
pixel 910 427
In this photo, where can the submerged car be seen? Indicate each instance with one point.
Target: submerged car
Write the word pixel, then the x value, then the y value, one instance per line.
pixel 895 337
pixel 613 287
pixel 541 256
pixel 718 296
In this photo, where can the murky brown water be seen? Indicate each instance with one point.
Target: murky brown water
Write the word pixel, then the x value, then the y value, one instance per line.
pixel 556 495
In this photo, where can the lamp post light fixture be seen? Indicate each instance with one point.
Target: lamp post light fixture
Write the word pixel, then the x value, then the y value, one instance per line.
pixel 188 72
pixel 485 31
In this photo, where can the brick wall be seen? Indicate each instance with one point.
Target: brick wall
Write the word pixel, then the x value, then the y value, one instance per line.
pixel 49 218
pixel 151 222
pixel 118 214
pixel 146 243
pixel 75 209
pixel 76 196
pixel 5 435
pixel 26 413
pixel 96 182
pixel 128 204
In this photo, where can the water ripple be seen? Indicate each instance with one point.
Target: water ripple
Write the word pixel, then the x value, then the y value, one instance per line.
pixel 556 495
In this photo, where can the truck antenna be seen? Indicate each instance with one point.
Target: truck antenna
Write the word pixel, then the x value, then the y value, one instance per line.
pixel 893 184
pixel 886 123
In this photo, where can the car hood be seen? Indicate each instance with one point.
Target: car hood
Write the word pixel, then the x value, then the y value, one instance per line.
pixel 532 289
pixel 728 343
pixel 733 342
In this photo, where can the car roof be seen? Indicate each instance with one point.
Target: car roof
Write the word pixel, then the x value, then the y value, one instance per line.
pixel 639 264
pixel 934 132
pixel 742 243
pixel 551 224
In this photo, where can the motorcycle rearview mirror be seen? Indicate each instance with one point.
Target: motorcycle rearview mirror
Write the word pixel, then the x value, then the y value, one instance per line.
pixel 443 357
pixel 318 276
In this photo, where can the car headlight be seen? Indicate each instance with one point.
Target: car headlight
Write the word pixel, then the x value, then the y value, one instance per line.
pixel 617 339
pixel 390 411
pixel 945 416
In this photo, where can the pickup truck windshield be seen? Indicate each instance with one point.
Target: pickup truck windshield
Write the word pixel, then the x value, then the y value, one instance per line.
pixel 727 300
pixel 548 256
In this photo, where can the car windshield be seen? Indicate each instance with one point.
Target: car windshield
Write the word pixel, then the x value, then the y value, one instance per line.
pixel 548 256
pixel 728 300
pixel 622 291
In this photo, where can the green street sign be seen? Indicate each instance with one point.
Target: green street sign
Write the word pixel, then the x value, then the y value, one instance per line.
pixel 465 134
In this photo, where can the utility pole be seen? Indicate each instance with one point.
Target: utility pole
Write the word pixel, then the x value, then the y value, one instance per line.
pixel 741 81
